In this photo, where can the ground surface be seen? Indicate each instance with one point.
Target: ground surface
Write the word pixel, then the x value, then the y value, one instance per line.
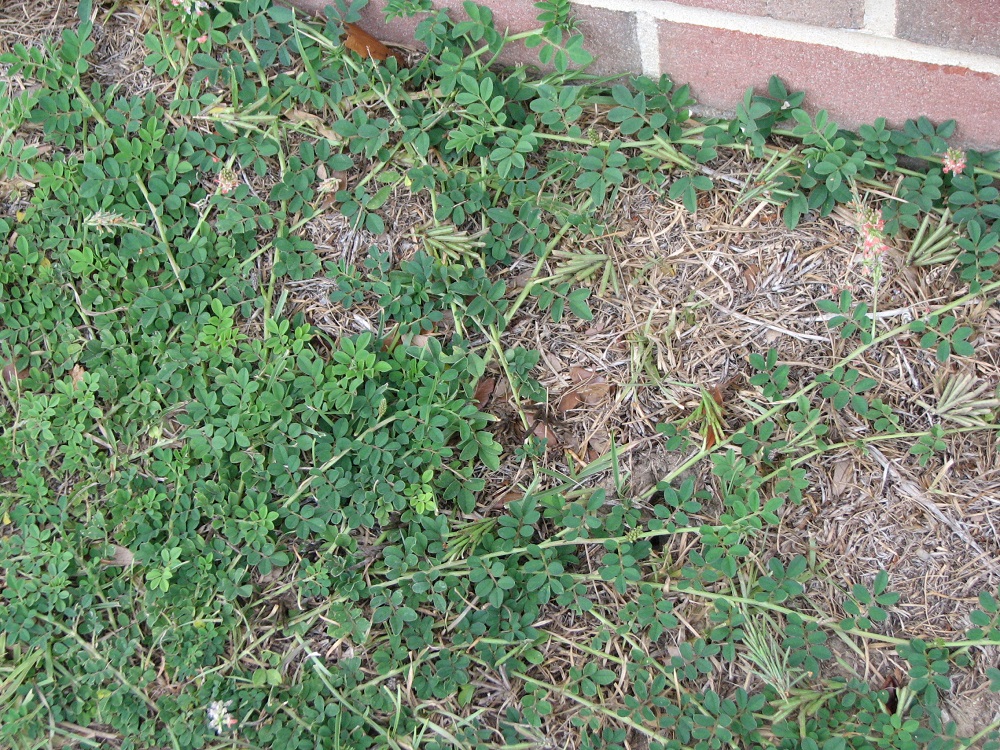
pixel 680 301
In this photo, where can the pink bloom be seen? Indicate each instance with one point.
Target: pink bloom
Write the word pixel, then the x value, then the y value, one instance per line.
pixel 873 244
pixel 227 181
pixel 954 161
pixel 202 39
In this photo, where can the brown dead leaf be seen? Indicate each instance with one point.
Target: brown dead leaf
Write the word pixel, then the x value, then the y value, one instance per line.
pixel 122 557
pixel 315 122
pixel 420 340
pixel 769 215
pixel 10 373
pixel 600 441
pixel 502 390
pixel 519 281
pixel 541 430
pixel 596 446
pixel 751 276
pixel 569 401
pixel 484 390
pixel 511 496
pixel 362 43
pixel 592 389
pixel 842 477
pixel 76 374
pixel 710 436
pixel 710 432
pixel 580 375
pixel 717 393
pixel 300 115
pixel 330 183
pixel 272 576
pixel 340 175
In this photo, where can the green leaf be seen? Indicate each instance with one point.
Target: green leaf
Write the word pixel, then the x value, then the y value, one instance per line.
pixel 578 304
pixel 604 677
pixel 861 594
pixel 281 14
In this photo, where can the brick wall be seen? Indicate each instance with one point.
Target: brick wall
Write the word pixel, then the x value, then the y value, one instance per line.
pixel 859 59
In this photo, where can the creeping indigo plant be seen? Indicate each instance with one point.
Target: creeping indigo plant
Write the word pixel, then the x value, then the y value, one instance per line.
pixel 184 492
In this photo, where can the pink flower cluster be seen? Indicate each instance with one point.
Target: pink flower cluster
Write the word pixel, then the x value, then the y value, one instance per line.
pixel 872 234
pixel 227 181
pixel 954 161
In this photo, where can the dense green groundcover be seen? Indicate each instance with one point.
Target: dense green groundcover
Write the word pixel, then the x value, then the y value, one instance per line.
pixel 178 492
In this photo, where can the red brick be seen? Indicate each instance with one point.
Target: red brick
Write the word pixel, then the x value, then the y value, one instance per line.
pixel 855 88
pixel 842 14
pixel 612 38
pixel 972 25
pixel 610 35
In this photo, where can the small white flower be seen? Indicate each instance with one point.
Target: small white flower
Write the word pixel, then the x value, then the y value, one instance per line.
pixel 191 7
pixel 219 717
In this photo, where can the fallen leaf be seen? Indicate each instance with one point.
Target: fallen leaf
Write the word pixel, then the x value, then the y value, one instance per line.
pixel 361 42
pixel 596 446
pixel 420 340
pixel 122 557
pixel 569 401
pixel 511 496
pixel 581 374
pixel 592 388
pixel 502 390
pixel 717 394
pixel 340 175
pixel 519 281
pixel 750 277
pixel 600 441
pixel 769 215
pixel 315 122
pixel 711 416
pixel 541 430
pixel 76 374
pixel 842 477
pixel 710 436
pixel 484 390
pixel 10 373
pixel 272 576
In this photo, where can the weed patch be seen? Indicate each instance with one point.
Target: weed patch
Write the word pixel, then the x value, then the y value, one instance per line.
pixel 225 524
